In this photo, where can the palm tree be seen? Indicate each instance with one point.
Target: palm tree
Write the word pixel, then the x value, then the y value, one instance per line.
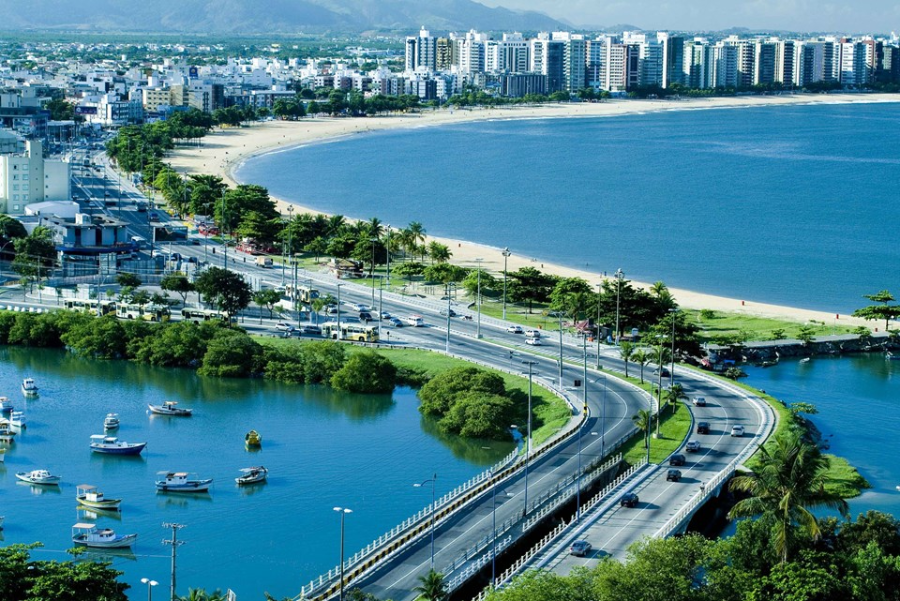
pixel 791 477
pixel 642 358
pixel 642 422
pixel 418 234
pixel 375 228
pixel 438 252
pixel 432 586
pixel 674 394
pixel 335 224
pixel 626 349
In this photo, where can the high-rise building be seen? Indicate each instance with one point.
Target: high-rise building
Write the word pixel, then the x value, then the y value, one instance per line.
pixel 594 53
pixel 787 60
pixel 470 52
pixel 548 58
pixel 445 54
pixel 672 58
pixel 764 62
pixel 421 51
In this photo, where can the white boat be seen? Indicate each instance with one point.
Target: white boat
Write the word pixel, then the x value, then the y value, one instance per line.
pixel 2 455
pixel 89 496
pixel 252 475
pixel 111 422
pixel 1 522
pixel 110 445
pixel 6 405
pixel 181 482
pixel 17 419
pixel 170 408
pixel 29 388
pixel 38 477
pixel 91 536
pixel 6 434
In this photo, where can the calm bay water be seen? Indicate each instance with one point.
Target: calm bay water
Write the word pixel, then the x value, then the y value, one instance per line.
pixel 781 204
pixel 322 449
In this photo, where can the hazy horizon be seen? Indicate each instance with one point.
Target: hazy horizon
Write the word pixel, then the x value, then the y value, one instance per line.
pixel 875 16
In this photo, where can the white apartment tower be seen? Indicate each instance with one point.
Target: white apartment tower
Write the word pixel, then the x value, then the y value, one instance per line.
pixel 421 52
pixel 29 178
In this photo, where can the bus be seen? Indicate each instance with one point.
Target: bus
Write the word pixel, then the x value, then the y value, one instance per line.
pixel 305 294
pixel 90 306
pixel 149 312
pixel 351 331
pixel 200 315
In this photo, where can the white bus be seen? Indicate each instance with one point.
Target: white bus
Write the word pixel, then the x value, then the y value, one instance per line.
pixel 351 331
pixel 149 312
pixel 201 315
pixel 90 306
pixel 305 294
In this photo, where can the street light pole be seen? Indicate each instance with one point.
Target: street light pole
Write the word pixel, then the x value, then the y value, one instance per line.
pixel 619 275
pixel 599 291
pixel 672 369
pixel 584 410
pixel 559 313
pixel 494 527
pixel 339 337
pixel 506 254
pixel 478 300
pixel 150 584
pixel 388 255
pixel 372 269
pixel 447 346
pixel 433 479
pixel 530 365
pixel 175 544
pixel 343 511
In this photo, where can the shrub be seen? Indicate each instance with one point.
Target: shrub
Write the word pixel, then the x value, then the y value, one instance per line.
pixel 230 354
pixel 366 372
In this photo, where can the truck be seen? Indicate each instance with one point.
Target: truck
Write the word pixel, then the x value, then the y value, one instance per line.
pixel 264 262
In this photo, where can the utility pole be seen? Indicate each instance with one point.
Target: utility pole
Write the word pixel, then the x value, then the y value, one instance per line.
pixel 175 544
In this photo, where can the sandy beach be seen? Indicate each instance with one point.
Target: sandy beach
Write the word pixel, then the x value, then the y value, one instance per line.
pixel 223 150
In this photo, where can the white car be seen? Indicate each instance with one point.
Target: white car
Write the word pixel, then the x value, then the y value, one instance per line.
pixel 692 446
pixel 699 401
pixel 533 341
pixel 737 431
pixel 515 330
pixel 283 326
pixel 532 333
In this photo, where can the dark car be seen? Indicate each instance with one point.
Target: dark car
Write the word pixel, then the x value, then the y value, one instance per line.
pixel 629 499
pixel 676 460
pixel 673 475
pixel 311 330
pixel 702 427
pixel 365 316
pixel 451 311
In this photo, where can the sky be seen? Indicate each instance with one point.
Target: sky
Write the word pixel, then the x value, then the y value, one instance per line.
pixel 848 16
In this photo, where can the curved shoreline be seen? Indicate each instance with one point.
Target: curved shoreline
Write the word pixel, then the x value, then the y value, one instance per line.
pixel 228 149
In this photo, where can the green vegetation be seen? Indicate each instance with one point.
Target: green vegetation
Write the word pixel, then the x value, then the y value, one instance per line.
pixel 884 311
pixel 24 579
pixel 673 429
pixel 848 561
pixel 366 372
pixel 727 328
pixel 471 402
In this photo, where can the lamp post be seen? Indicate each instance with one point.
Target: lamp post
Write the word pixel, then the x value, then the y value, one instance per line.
pixel 447 345
pixel 672 369
pixel 530 365
pixel 494 525
pixel 432 480
pixel 506 254
pixel 339 337
pixel 343 511
pixel 584 410
pixel 372 269
pixel 150 584
pixel 478 299
pixel 388 257
pixel 619 275
pixel 599 291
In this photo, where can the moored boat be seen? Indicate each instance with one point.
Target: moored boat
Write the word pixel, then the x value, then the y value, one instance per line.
pixel 110 445
pixel 1 522
pixel 892 355
pixel 2 455
pixel 89 496
pixel 182 482
pixel 111 421
pixel 106 538
pixel 29 388
pixel 17 419
pixel 42 477
pixel 170 408
pixel 252 475
pixel 6 405
pixel 252 439
pixel 6 434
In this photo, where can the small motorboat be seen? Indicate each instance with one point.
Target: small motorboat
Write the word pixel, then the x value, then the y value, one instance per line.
pixel 111 421
pixel 170 408
pixel 182 482
pixel 252 439
pixel 106 538
pixel 42 477
pixel 252 475
pixel 7 436
pixel 29 388
pixel 110 445
pixel 89 496
pixel 805 360
pixel 17 419
pixel 6 405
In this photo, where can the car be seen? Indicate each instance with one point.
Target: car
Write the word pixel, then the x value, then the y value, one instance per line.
pixel 580 548
pixel 737 431
pixel 311 330
pixel 629 499
pixel 195 242
pixel 673 475
pixel 533 341
pixel 444 312
pixel 385 315
pixel 692 446
pixel 702 427
pixel 699 401
pixel 283 326
pixel 365 316
pixel 532 333
pixel 331 310
pixel 664 372
pixel 154 216
pixel 396 322
pixel 515 330
pixel 677 460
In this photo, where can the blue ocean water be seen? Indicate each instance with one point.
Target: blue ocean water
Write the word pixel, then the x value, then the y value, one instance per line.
pixel 790 205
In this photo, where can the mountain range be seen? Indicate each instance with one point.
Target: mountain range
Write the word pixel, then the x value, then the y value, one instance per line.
pixel 265 16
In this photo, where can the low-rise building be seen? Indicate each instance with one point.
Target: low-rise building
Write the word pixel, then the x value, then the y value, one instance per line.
pixel 28 178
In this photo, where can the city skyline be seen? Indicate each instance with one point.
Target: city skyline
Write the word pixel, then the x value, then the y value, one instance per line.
pixel 712 15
